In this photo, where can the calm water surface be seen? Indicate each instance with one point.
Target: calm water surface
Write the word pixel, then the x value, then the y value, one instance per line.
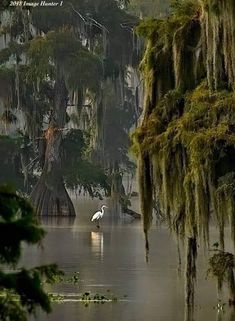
pixel 113 259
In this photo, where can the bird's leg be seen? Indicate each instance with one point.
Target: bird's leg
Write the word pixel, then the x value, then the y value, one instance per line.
pixel 98 225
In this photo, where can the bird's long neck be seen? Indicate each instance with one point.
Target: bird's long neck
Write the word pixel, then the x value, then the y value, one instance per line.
pixel 102 210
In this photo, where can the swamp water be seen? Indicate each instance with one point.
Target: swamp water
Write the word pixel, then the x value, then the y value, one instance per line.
pixel 112 260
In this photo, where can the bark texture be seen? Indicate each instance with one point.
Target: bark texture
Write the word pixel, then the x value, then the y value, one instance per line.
pixel 49 195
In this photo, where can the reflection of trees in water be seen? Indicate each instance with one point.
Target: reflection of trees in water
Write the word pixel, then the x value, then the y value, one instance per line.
pixel 232 315
pixel 226 315
pixel 189 313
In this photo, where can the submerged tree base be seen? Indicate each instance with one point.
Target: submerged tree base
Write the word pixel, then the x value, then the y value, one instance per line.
pixel 52 200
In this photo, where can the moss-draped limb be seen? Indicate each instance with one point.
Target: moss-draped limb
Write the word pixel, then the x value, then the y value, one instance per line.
pixel 188 129
pixel 219 42
pixel 146 194
pixel 189 156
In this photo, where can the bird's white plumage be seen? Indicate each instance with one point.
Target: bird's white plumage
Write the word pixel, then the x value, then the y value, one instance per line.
pixel 98 215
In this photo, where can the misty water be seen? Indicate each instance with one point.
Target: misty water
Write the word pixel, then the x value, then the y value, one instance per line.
pixel 112 260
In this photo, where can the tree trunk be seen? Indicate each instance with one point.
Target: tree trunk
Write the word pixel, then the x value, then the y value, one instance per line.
pixel 119 198
pixel 49 195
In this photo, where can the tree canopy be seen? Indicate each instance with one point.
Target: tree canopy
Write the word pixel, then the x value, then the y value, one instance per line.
pixel 79 57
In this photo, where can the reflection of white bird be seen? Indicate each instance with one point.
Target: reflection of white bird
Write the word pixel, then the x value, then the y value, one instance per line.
pixel 97 244
pixel 98 215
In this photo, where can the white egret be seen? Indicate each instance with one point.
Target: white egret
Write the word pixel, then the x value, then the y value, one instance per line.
pixel 98 215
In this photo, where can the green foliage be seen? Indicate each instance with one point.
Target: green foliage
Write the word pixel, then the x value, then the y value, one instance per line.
pixel 117 124
pixel 21 291
pixel 45 19
pixel 150 8
pixel 88 176
pixel 186 144
pixel 5 55
pixel 74 279
pixel 17 218
pixel 10 307
pixel 184 7
pixel 62 51
pixel 80 68
pixel 221 266
pixel 40 53
pixel 74 144
pixel 10 162
pixel 92 20
pixel 219 63
pixel 189 136
pixel 182 12
pixel 148 27
pixel 78 171
pixel 195 139
pixel 81 45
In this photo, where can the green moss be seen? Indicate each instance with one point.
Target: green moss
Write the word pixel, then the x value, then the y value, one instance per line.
pixel 225 202
pixel 221 266
pixel 218 24
pixel 185 55
pixel 186 141
pixel 188 148
pixel 172 55
pixel 146 199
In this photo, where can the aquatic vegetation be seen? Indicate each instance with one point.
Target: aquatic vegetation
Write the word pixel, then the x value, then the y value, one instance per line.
pixel 186 143
pixel 86 298
pixel 74 279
